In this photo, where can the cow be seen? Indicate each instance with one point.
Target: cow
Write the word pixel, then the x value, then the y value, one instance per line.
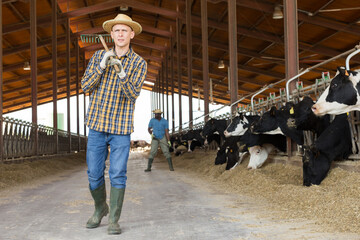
pixel 341 96
pixel 215 137
pixel 232 155
pixel 230 146
pixel 182 148
pixel 258 155
pixel 239 125
pixel 194 139
pixel 315 167
pixel 278 140
pixel 276 122
pixel 177 145
pixel 214 125
pixel 334 143
pixel 305 119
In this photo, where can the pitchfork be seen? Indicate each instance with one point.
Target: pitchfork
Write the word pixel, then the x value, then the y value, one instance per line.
pixel 95 38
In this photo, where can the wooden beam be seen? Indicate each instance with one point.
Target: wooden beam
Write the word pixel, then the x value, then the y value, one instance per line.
pixel 115 4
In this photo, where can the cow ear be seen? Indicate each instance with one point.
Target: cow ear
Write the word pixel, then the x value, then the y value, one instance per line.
pixel 272 111
pixel 342 71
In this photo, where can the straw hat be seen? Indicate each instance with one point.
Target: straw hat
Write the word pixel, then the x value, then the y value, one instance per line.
pixel 157 111
pixel 122 19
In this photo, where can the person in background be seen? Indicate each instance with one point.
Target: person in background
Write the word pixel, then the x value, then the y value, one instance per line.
pixel 114 80
pixel 159 130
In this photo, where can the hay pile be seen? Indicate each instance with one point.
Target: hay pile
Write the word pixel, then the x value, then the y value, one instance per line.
pixel 16 174
pixel 334 205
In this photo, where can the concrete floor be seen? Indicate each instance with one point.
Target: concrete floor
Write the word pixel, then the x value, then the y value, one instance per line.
pixel 158 205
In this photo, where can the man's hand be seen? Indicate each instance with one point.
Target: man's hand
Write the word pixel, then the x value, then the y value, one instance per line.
pixel 105 60
pixel 122 73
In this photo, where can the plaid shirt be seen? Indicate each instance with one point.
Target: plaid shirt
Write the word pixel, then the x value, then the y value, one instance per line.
pixel 112 100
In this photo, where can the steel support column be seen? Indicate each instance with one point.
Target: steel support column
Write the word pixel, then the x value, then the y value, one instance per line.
pixel 84 68
pixel 189 59
pixel 33 66
pixel 167 85
pixel 291 50
pixel 1 92
pixel 233 60
pixel 68 74
pixel 163 88
pixel 77 93
pixel 179 72
pixel 172 83
pixel 54 72
pixel 205 56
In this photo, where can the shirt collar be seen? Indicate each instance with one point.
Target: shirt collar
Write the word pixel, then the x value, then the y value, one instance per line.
pixel 129 53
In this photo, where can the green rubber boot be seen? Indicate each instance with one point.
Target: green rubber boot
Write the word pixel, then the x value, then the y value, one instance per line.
pixel 149 165
pixel 116 202
pixel 170 164
pixel 101 208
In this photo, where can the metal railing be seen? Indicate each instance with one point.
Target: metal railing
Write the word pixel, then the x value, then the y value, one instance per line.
pixel 19 140
pixel 313 90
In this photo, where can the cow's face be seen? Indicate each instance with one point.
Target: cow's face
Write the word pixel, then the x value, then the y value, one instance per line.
pixel 237 127
pixel 341 96
pixel 232 155
pixel 304 116
pixel 315 167
pixel 220 157
pixel 258 155
pixel 267 123
pixel 210 127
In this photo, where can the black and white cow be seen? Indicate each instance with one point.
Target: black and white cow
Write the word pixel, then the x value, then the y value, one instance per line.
pixel 227 149
pixel 341 96
pixel 277 122
pixel 334 143
pixel 239 125
pixel 305 119
pixel 215 137
pixel 214 125
pixel 194 139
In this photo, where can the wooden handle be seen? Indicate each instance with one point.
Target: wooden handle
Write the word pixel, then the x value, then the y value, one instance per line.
pixel 107 49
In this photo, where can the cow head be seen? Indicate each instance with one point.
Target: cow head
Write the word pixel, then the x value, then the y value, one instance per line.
pixel 239 125
pixel 267 123
pixel 232 155
pixel 341 96
pixel 305 119
pixel 220 157
pixel 315 167
pixel 258 155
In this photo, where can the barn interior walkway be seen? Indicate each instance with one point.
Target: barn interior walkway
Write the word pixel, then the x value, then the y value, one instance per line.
pixel 158 205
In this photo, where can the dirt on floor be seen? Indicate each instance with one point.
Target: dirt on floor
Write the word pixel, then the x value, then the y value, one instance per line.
pixel 28 171
pixel 275 189
pixel 333 206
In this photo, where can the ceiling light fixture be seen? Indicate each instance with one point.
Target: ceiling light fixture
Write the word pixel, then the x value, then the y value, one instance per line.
pixel 124 8
pixel 149 83
pixel 27 66
pixel 277 14
pixel 221 64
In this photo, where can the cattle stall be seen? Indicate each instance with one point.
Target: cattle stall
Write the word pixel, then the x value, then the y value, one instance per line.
pixel 285 97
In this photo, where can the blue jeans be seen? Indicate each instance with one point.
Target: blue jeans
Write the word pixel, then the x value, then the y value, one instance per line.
pixel 97 152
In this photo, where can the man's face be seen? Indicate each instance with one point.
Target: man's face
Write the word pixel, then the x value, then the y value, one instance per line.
pixel 122 34
pixel 157 115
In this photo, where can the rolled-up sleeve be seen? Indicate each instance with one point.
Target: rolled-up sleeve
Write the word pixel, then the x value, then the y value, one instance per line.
pixel 132 84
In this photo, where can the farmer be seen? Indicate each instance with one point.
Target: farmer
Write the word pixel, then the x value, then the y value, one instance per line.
pixel 110 116
pixel 159 130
